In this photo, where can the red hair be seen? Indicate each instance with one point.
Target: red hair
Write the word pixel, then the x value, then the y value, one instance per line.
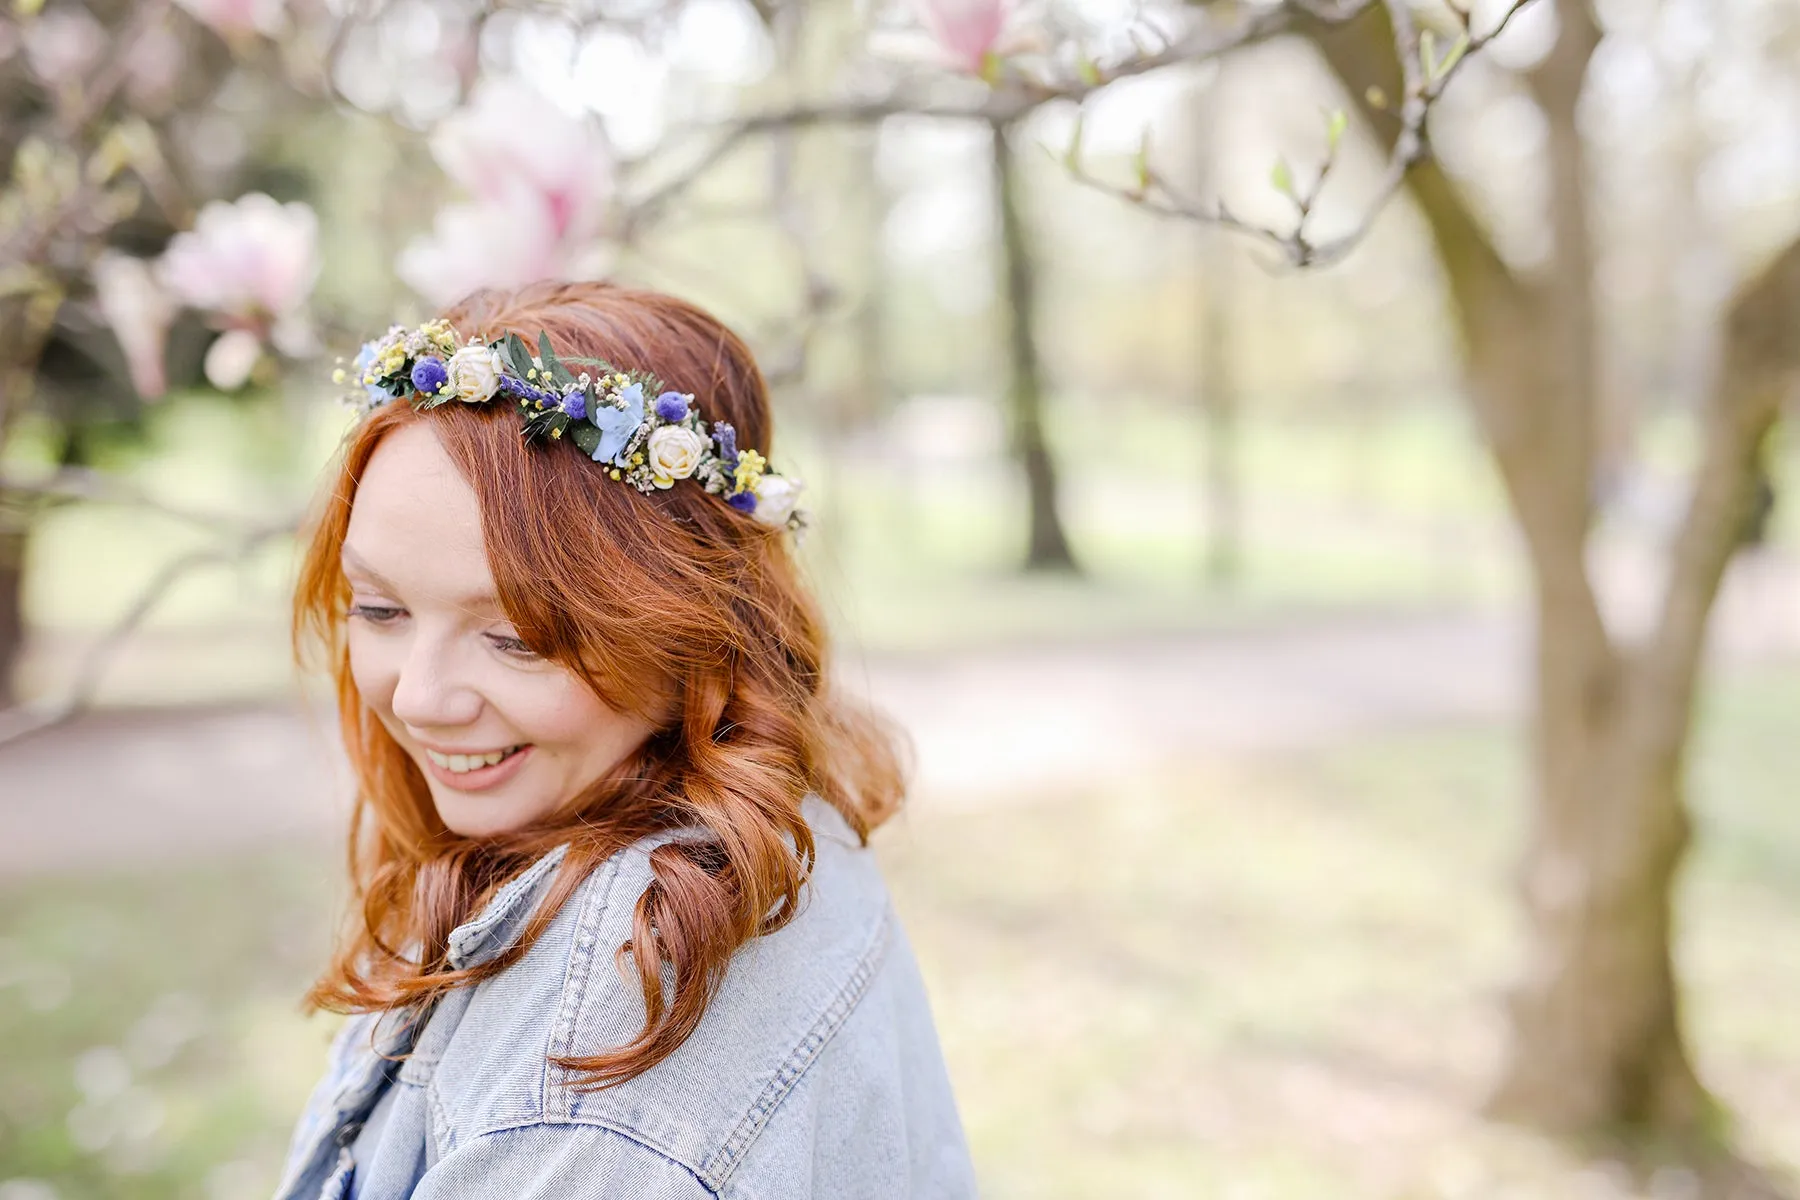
pixel 670 605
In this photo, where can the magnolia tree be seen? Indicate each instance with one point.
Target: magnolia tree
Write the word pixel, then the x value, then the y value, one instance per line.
pixel 134 131
pixel 114 130
pixel 534 185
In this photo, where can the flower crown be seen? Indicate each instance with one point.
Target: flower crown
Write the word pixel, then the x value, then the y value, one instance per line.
pixel 607 413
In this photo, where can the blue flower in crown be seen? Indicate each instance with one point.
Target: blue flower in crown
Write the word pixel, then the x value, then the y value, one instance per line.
pixel 651 444
pixel 618 424
pixel 429 375
pixel 375 393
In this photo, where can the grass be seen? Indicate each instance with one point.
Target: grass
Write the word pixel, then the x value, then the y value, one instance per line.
pixel 1271 978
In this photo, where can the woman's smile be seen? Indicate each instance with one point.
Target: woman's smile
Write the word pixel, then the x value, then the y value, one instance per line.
pixel 479 771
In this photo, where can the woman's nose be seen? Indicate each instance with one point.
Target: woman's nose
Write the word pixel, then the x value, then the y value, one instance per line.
pixel 433 691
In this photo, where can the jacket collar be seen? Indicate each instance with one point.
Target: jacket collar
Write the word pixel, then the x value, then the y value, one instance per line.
pixel 497 925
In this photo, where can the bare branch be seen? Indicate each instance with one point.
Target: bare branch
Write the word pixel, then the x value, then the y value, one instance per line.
pixel 1005 103
pixel 1423 82
pixel 22 721
pixel 72 484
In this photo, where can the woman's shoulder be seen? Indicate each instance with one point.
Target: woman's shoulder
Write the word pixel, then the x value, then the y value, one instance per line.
pixel 783 998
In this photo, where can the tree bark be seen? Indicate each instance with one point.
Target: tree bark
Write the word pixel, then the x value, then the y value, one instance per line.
pixel 12 606
pixel 26 319
pixel 1047 544
pixel 1596 1038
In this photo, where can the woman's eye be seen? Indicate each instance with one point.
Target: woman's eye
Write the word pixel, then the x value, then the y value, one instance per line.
pixel 512 646
pixel 376 613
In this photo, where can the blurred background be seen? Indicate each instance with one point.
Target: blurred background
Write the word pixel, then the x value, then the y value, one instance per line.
pixel 1345 598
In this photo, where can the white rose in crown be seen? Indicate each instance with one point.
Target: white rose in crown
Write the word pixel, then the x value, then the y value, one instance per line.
pixel 474 373
pixel 776 496
pixel 674 452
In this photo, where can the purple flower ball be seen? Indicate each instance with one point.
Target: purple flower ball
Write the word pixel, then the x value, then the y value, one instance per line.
pixel 671 407
pixel 428 375
pixel 744 502
pixel 726 437
pixel 574 404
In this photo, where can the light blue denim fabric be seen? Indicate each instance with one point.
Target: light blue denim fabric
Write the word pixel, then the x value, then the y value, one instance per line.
pixel 815 1072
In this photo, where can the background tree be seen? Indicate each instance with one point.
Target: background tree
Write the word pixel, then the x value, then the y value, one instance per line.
pixel 1595 1016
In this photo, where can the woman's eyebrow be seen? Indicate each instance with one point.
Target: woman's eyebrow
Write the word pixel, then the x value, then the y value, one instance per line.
pixel 351 560
pixel 478 602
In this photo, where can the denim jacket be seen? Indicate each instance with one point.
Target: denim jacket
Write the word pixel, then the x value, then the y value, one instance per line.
pixel 814 1072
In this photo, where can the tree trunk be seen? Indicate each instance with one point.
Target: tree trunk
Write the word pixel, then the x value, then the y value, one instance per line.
pixel 1047 545
pixel 1595 1029
pixel 12 605
pixel 1596 1036
pixel 26 320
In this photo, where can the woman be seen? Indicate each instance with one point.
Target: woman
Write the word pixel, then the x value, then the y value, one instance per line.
pixel 617 930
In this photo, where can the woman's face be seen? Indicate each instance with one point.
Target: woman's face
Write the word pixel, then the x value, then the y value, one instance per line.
pixel 503 736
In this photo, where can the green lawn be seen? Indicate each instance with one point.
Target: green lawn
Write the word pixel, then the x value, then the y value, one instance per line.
pixel 1271 978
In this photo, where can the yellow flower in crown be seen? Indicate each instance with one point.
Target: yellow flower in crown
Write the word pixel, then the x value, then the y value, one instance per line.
pixel 749 470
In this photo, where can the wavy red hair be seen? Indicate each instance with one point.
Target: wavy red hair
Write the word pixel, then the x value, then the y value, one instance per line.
pixel 671 605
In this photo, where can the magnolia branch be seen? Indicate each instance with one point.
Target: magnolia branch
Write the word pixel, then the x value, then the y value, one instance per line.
pixel 240 540
pixel 1425 73
pixel 80 485
pixel 1009 98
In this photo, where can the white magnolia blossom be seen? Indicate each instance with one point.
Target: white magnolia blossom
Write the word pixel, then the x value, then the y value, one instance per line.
pixel 252 261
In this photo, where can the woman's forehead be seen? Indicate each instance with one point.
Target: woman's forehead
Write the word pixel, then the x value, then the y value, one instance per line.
pixel 415 524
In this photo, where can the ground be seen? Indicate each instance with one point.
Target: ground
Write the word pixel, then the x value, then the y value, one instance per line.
pixel 1209 916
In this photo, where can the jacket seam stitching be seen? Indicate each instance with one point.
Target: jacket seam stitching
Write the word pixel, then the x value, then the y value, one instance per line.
pixel 626 1134
pixel 445 1144
pixel 576 973
pixel 717 1168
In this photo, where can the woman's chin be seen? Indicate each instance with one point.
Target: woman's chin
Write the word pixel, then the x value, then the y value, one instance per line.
pixel 480 816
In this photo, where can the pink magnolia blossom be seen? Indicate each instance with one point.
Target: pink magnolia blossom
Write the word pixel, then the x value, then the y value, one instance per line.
pixel 62 45
pixel 492 243
pixel 966 31
pixel 139 312
pixel 539 181
pixel 153 67
pixel 510 136
pixel 238 18
pixel 251 263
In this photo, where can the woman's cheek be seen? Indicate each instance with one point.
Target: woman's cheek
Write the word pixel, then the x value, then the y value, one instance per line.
pixel 548 711
pixel 372 668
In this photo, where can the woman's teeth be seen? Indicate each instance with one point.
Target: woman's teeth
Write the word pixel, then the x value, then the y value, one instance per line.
pixel 468 762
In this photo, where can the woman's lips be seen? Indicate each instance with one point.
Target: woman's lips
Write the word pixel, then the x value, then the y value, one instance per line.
pixel 481 778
